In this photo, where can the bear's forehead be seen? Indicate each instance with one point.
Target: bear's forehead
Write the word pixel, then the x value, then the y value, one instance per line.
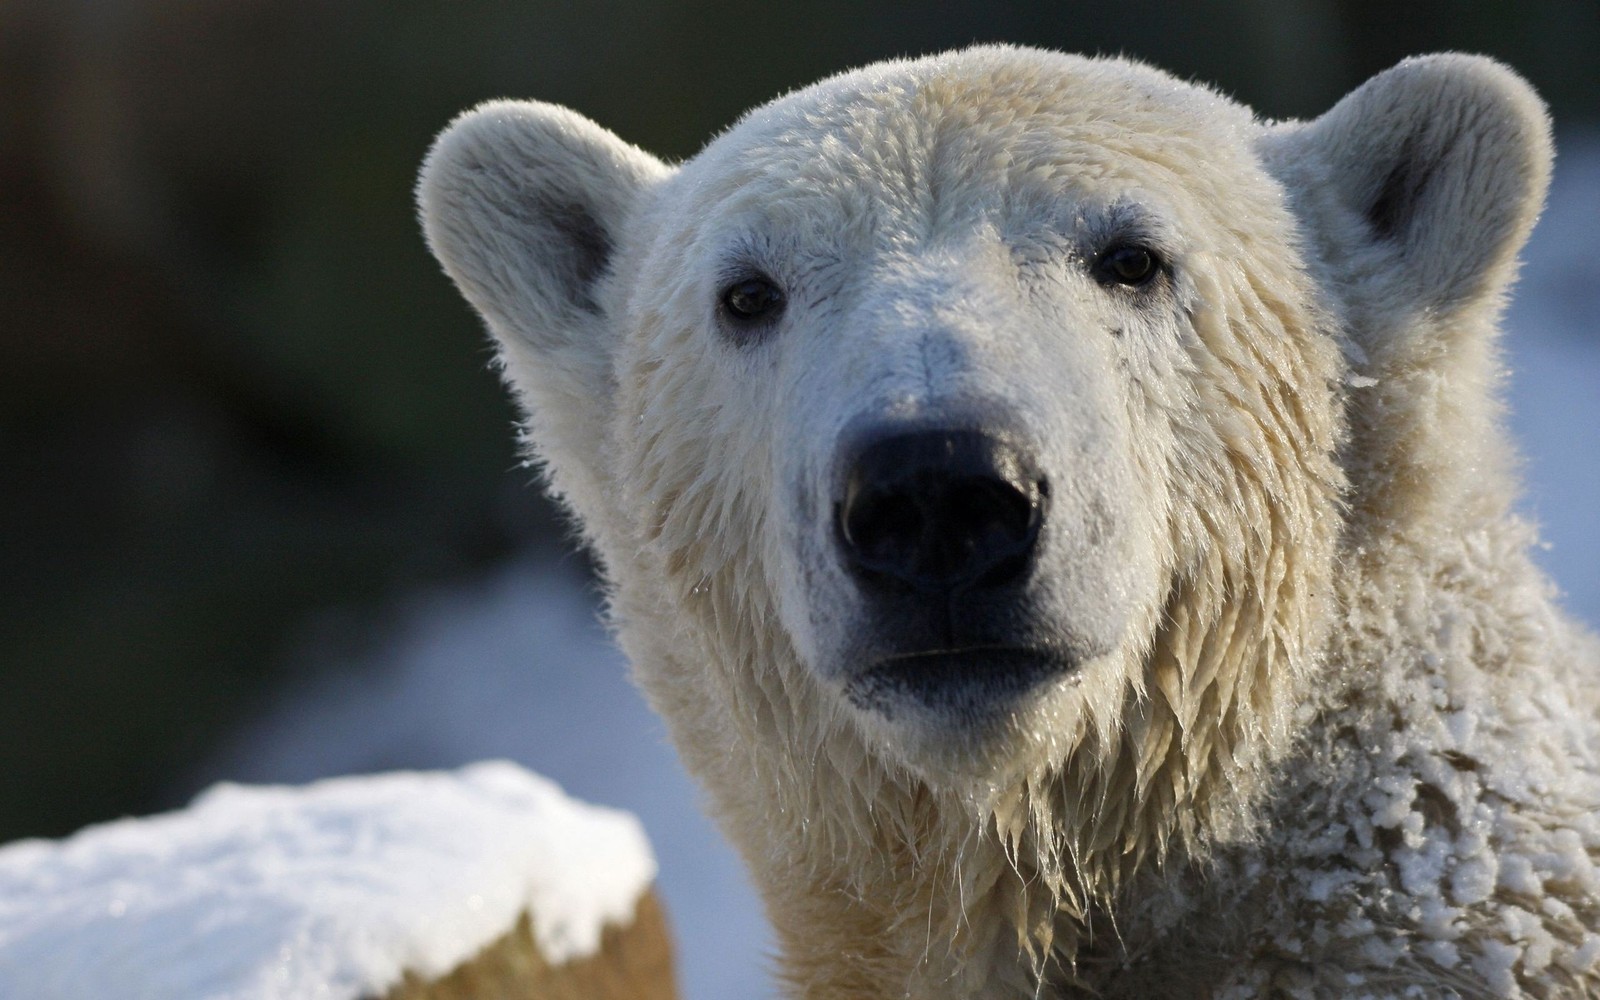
pixel 983 124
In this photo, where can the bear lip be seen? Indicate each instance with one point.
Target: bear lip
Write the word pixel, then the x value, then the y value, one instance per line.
pixel 967 683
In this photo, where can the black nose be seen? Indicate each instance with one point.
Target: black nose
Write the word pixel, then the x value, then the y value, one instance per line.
pixel 939 511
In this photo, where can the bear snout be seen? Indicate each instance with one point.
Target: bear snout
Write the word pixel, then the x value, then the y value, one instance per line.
pixel 936 512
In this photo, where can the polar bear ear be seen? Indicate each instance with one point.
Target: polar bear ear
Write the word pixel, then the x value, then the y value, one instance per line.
pixel 1438 168
pixel 524 204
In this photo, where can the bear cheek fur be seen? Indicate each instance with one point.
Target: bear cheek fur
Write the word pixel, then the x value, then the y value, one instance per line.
pixel 693 434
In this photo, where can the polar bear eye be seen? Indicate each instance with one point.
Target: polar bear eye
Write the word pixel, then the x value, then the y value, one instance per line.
pixel 752 300
pixel 1127 264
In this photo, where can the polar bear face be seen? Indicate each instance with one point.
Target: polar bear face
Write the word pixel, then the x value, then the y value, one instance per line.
pixel 943 332
pixel 979 418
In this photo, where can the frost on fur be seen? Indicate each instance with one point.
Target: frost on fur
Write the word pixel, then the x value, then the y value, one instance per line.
pixel 1089 569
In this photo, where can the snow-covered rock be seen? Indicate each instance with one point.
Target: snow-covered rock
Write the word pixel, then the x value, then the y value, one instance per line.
pixel 331 890
pixel 512 664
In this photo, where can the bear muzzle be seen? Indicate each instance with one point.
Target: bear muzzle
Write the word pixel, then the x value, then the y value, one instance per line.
pixel 938 528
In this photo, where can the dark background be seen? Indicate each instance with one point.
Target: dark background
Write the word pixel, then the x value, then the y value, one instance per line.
pixel 236 394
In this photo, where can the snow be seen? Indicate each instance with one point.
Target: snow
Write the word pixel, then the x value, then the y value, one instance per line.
pixel 515 665
pixel 330 890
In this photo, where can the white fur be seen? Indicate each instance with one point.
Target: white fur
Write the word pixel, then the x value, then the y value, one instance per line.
pixel 1328 738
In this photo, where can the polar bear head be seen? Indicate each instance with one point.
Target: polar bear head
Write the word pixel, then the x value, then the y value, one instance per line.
pixel 968 441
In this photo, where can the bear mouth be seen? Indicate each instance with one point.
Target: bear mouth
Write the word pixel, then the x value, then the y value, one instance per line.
pixel 971 684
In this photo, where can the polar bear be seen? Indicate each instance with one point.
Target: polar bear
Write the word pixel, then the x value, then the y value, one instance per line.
pixel 1065 520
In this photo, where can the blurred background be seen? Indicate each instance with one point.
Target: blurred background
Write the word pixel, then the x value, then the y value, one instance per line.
pixel 262 514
